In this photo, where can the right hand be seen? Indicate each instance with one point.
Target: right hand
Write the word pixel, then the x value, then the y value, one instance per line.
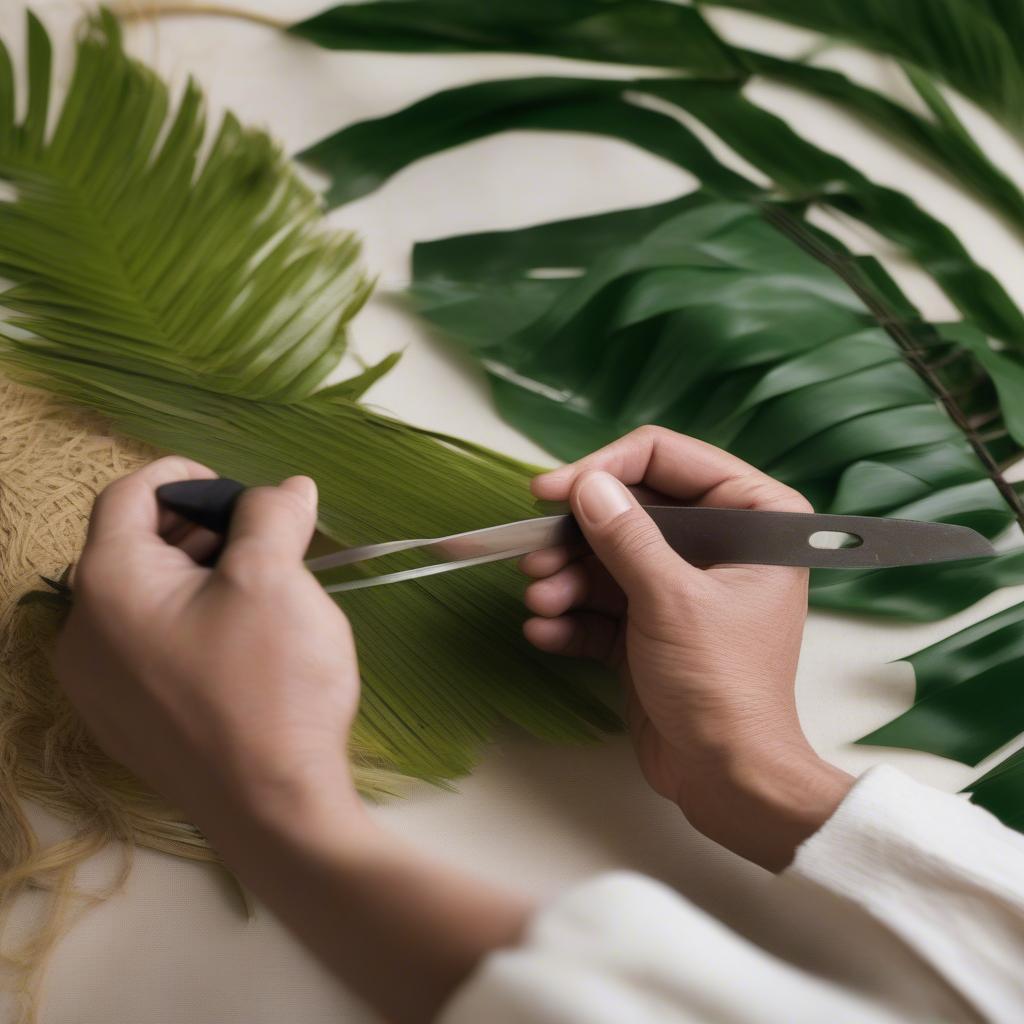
pixel 708 657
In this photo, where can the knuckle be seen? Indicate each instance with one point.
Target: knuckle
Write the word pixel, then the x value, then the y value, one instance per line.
pixel 250 564
pixel 649 432
pixel 634 536
pixel 173 465
pixel 764 492
pixel 273 499
pixel 113 489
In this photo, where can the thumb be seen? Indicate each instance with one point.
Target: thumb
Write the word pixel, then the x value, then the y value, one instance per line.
pixel 622 534
pixel 280 520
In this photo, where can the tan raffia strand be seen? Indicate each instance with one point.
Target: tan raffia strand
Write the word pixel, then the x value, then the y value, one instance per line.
pixel 53 462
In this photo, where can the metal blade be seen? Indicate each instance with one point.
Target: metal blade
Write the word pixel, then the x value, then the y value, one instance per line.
pixel 518 538
pixel 715 536
pixel 703 536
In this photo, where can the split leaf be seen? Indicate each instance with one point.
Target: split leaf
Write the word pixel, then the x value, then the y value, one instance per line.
pixel 700 316
pixel 359 158
pixel 974 46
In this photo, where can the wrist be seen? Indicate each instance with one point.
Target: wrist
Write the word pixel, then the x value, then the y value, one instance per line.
pixel 764 803
pixel 316 811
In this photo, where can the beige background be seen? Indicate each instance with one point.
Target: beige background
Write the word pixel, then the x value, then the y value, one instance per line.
pixel 173 946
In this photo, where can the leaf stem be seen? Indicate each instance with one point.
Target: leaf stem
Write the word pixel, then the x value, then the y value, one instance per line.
pixel 895 327
pixel 138 10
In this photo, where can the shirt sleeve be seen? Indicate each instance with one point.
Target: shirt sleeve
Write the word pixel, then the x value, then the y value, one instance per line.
pixel 944 875
pixel 623 948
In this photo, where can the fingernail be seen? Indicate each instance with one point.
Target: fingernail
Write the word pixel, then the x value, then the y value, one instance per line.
pixel 601 498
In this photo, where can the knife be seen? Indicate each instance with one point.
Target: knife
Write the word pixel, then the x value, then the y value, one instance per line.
pixel 703 536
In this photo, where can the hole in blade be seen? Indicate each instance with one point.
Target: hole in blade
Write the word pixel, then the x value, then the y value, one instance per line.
pixel 833 540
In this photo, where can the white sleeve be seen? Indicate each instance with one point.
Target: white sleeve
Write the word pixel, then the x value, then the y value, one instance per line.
pixel 944 875
pixel 623 948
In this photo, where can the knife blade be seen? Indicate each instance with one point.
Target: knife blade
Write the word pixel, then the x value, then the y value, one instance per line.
pixel 703 536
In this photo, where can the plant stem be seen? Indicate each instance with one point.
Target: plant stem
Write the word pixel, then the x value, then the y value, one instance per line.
pixel 896 328
pixel 139 11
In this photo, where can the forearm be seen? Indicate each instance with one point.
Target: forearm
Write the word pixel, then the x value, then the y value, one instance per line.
pixel 401 930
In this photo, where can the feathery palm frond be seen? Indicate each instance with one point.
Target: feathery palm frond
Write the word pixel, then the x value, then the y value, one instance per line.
pixel 199 303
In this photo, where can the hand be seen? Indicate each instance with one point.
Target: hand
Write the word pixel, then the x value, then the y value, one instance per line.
pixel 231 691
pixel 224 689
pixel 708 657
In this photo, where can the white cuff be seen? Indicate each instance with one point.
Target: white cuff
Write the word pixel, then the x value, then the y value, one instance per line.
pixel 941 873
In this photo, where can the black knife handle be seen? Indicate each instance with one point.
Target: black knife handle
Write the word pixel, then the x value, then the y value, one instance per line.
pixel 208 503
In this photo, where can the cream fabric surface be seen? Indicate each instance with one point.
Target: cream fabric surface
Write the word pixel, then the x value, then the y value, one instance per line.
pixel 175 947
pixel 944 876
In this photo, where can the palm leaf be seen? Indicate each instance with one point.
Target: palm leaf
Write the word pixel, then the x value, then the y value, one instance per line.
pixel 972 46
pixel 700 316
pixel 359 158
pixel 199 302
pixel 630 32
pixel 655 33
pixel 999 790
pixel 714 324
pixel 966 704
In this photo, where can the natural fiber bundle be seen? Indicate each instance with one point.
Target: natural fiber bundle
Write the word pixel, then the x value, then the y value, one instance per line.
pixel 53 462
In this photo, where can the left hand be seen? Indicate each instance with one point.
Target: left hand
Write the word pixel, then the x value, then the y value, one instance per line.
pixel 229 689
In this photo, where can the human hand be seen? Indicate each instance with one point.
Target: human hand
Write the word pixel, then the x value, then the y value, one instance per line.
pixel 229 690
pixel 708 657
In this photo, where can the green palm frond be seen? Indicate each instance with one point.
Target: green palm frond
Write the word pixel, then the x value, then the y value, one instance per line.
pixel 701 316
pixel 125 247
pixel 659 34
pixel 625 32
pixel 199 302
pixel 974 45
pixel 362 156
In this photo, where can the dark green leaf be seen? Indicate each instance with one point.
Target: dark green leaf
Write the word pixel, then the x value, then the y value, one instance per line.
pixel 967 703
pixel 651 32
pixel 712 323
pixel 999 791
pixel 629 31
pixel 965 42
pixel 361 157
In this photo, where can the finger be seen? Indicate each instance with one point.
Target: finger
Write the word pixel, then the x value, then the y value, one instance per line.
pixel 279 520
pixel 679 466
pixel 583 584
pixel 546 561
pixel 624 537
pixel 200 544
pixel 128 507
pixel 580 635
